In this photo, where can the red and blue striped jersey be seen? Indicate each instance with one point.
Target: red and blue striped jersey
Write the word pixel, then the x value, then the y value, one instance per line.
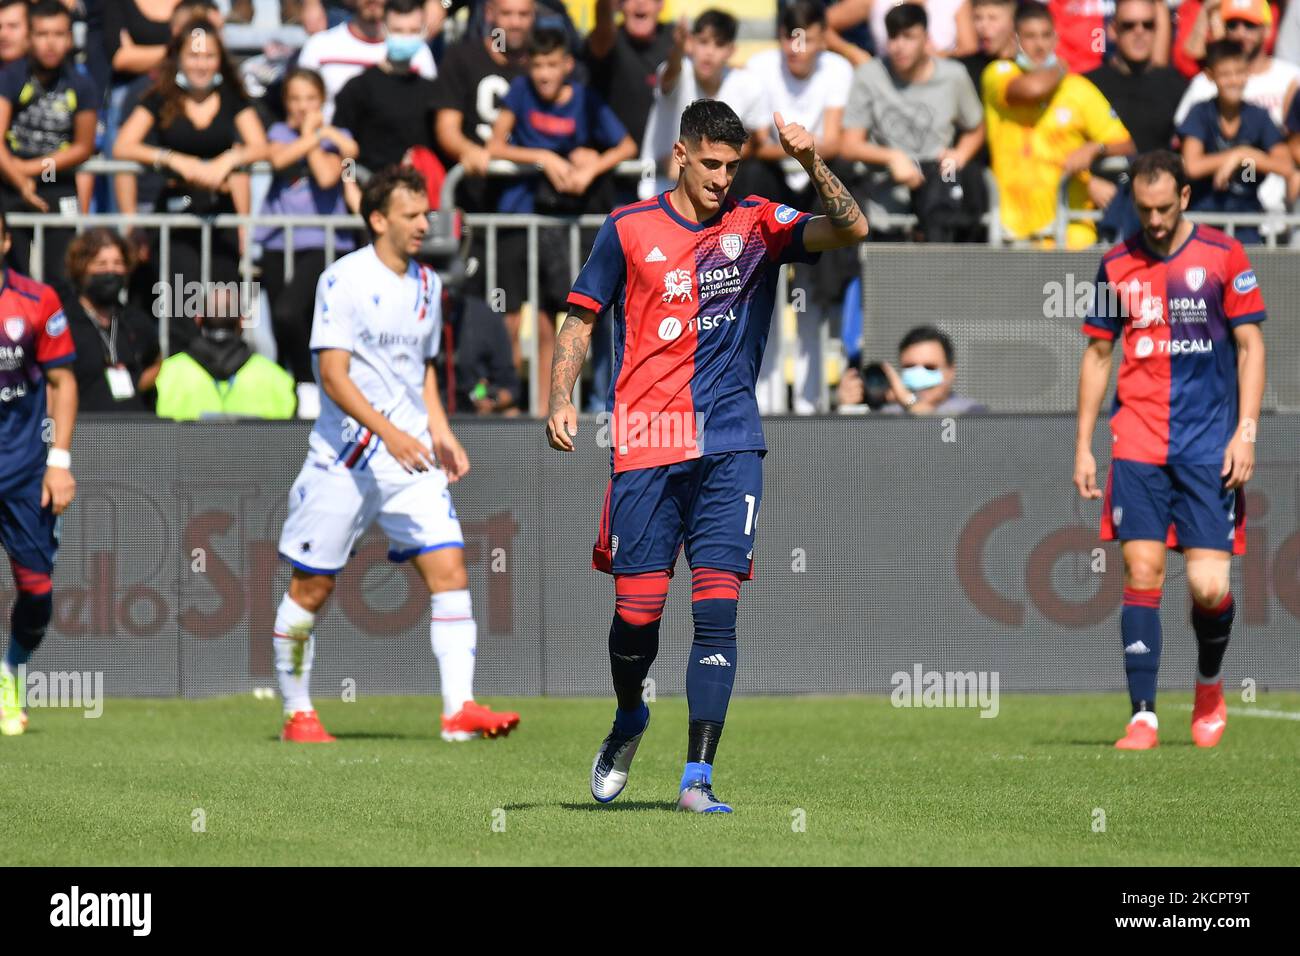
pixel 1176 399
pixel 691 305
pixel 34 336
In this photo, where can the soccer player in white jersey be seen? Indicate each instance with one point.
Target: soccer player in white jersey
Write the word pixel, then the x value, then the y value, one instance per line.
pixel 382 450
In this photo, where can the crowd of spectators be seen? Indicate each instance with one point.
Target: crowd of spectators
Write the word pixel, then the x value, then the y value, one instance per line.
pixel 917 105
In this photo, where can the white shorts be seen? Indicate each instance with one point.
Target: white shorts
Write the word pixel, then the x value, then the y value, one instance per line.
pixel 332 505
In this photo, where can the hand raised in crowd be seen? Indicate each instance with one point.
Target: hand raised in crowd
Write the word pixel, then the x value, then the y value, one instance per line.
pixel 681 34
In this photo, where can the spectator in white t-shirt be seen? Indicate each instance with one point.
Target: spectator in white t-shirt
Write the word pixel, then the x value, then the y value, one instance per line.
pixel 342 52
pixel 809 85
pixel 697 67
pixel 805 83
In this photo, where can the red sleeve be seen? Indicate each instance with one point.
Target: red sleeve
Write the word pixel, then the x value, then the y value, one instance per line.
pixel 1242 300
pixel 782 230
pixel 53 339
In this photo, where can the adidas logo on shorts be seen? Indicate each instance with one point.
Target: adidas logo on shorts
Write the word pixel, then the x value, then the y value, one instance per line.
pixel 716 659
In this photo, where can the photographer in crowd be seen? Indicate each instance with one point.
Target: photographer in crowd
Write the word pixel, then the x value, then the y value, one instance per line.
pixel 924 387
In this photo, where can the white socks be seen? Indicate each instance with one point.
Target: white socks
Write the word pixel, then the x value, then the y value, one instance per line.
pixel 453 635
pixel 294 649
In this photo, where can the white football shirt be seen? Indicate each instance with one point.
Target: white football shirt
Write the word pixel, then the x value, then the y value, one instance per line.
pixel 340 53
pixel 392 325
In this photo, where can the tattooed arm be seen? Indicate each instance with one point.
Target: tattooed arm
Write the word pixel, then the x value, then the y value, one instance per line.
pixel 844 224
pixel 570 355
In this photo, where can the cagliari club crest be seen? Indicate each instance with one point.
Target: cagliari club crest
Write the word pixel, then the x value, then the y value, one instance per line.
pixel 1195 277
pixel 15 327
pixel 732 245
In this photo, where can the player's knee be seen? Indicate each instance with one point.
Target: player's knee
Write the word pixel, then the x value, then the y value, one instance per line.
pixel 1144 575
pixel 311 591
pixel 1208 582
pixel 639 598
pixel 714 596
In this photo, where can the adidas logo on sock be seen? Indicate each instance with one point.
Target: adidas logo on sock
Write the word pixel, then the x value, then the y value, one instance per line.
pixel 655 255
pixel 1137 647
pixel 716 659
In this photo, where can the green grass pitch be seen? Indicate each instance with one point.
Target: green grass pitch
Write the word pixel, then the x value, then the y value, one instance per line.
pixel 869 783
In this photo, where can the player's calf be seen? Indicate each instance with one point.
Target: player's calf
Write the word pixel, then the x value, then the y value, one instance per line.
pixel 633 646
pixel 1213 610
pixel 710 677
pixel 1142 640
pixel 295 649
pixel 28 620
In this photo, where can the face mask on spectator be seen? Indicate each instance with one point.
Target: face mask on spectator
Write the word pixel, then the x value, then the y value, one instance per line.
pixel 220 330
pixel 183 81
pixel 402 47
pixel 918 378
pixel 105 288
pixel 1026 64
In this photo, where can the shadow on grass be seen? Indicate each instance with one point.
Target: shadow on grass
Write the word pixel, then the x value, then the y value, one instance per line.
pixel 596 807
pixel 362 735
pixel 1110 744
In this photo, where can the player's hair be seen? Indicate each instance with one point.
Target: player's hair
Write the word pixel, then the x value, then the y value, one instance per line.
pixel 904 16
pixel 1216 51
pixel 929 333
pixel 83 249
pixel 1150 166
pixel 402 6
pixel 545 40
pixel 713 120
pixel 993 3
pixel 12 3
pixel 303 73
pixel 720 23
pixel 45 9
pixel 801 15
pixel 379 190
pixel 1032 10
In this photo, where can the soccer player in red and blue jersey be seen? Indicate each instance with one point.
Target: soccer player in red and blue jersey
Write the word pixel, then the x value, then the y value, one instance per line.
pixel 36 483
pixel 1184 304
pixel 689 279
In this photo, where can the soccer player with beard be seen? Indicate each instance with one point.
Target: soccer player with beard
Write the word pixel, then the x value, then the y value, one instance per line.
pixel 1184 304
pixel 689 278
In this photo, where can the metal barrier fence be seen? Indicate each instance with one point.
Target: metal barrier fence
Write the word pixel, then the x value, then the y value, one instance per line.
pixel 884 544
pixel 1014 355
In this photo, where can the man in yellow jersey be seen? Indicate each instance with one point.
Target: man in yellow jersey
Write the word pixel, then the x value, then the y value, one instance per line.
pixel 1045 123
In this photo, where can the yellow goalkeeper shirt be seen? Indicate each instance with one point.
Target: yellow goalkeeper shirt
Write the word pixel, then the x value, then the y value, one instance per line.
pixel 1028 146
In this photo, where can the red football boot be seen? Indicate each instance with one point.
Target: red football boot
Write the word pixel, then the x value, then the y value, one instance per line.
pixel 1209 714
pixel 473 720
pixel 1139 736
pixel 304 727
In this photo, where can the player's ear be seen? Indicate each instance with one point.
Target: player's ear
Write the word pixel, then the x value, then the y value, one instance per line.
pixel 1184 200
pixel 679 158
